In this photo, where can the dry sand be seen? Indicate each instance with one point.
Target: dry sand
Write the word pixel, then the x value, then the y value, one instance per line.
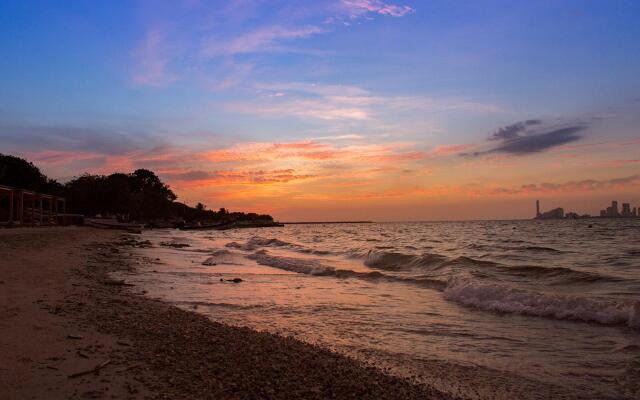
pixel 61 314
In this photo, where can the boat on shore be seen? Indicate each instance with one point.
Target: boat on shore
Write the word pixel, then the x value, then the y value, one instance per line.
pixel 231 225
pixel 114 224
pixel 199 226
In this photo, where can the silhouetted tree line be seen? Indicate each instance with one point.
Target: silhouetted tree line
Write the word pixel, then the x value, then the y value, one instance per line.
pixel 19 173
pixel 140 195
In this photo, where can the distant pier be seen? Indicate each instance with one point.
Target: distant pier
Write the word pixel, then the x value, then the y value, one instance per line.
pixel 327 222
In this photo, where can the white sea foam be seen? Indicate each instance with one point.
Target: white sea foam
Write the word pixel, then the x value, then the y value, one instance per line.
pixel 504 298
pixel 257 242
pixel 302 266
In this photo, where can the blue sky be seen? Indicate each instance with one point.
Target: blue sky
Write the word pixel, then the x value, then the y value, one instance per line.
pixel 376 88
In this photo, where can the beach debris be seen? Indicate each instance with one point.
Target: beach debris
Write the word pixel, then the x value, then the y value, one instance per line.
pixel 211 261
pixel 174 245
pixel 90 371
pixel 76 337
pixel 81 354
pixel 121 282
pixel 131 389
pixel 234 280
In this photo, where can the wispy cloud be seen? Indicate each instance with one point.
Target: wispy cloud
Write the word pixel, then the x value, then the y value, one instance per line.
pixel 620 163
pixel 358 8
pixel 309 150
pixel 259 40
pixel 235 177
pixel 151 61
pixel 68 138
pixel 445 149
pixel 351 136
pixel 343 102
pixel 586 185
pixel 174 48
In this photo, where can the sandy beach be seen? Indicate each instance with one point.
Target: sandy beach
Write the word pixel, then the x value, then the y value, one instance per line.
pixel 68 330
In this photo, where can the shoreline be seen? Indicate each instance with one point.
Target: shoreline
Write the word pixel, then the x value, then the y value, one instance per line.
pixel 84 319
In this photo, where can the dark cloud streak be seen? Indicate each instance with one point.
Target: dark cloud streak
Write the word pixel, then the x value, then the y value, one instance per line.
pixel 530 137
pixel 512 131
pixel 68 138
pixel 521 145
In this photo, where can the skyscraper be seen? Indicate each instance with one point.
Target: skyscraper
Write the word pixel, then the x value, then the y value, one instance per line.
pixel 626 209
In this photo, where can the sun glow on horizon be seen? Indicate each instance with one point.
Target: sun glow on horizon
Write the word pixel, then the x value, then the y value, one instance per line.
pixel 336 109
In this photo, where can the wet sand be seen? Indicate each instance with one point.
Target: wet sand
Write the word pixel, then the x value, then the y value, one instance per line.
pixel 61 315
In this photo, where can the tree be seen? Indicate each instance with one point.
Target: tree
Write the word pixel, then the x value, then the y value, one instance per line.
pixel 143 180
pixel 151 196
pixel 22 174
pixel 140 195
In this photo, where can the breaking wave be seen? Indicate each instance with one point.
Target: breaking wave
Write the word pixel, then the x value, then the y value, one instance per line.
pixel 556 275
pixel 256 242
pixel 315 267
pixel 222 257
pixel 503 298
pixel 391 261
pixel 439 264
pixel 476 293
pixel 477 282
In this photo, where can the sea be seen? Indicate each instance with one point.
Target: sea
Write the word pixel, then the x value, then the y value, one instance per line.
pixel 482 310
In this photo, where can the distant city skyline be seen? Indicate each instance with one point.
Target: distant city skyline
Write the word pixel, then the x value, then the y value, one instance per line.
pixel 333 110
pixel 627 211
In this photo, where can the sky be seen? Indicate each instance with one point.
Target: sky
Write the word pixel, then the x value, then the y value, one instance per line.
pixel 333 110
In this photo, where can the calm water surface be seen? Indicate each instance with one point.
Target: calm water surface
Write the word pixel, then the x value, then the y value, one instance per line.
pixel 480 309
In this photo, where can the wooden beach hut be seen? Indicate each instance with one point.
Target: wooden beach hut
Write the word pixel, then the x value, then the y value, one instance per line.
pixel 7 207
pixel 25 207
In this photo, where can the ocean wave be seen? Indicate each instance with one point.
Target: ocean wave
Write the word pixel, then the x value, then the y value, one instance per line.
pixel 507 299
pixel 556 275
pixel 542 248
pixel 317 268
pixel 222 257
pixel 392 261
pixel 469 261
pixel 225 305
pixel 522 248
pixel 257 242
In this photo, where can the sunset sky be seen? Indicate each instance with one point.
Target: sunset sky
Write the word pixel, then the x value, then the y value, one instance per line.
pixel 327 110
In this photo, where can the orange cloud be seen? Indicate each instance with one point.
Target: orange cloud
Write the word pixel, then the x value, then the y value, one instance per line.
pixel 312 151
pixel 445 149
pixel 587 185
